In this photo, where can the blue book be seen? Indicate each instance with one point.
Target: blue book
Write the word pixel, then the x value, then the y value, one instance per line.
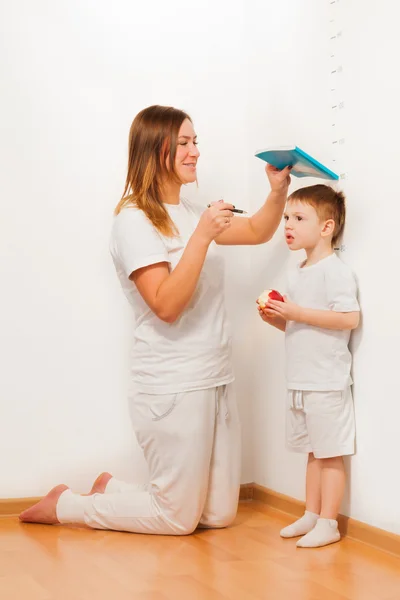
pixel 303 164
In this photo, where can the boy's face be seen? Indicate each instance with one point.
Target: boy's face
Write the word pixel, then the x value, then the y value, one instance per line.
pixel 303 228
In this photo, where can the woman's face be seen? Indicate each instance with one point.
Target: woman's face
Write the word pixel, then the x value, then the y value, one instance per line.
pixel 187 153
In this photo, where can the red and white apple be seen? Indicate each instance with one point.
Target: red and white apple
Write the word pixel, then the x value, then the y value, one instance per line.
pixel 269 295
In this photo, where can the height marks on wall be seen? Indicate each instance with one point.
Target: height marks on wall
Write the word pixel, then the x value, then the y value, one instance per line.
pixel 337 98
pixel 337 91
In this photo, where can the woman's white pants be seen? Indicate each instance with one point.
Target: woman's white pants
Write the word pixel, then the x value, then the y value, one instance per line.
pixel 191 442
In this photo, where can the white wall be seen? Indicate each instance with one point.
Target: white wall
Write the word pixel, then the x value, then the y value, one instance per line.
pixel 292 103
pixel 74 74
pixel 289 104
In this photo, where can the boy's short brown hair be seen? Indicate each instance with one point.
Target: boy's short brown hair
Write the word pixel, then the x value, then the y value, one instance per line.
pixel 328 204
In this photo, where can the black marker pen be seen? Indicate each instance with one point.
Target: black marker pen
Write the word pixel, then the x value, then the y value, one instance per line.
pixel 234 210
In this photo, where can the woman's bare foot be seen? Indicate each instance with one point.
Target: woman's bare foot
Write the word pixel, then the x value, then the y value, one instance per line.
pixel 45 510
pixel 100 484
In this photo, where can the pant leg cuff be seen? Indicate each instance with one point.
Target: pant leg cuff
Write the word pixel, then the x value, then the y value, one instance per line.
pixel 113 486
pixel 70 508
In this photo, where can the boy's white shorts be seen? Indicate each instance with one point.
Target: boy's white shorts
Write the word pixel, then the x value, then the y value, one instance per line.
pixel 321 422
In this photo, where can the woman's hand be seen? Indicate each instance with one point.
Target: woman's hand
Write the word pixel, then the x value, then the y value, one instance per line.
pixel 214 221
pixel 278 180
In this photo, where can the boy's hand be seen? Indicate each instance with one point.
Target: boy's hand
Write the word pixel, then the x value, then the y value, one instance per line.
pixel 266 314
pixel 278 180
pixel 286 309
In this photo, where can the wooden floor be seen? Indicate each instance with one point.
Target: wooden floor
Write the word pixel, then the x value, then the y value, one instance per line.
pixel 248 561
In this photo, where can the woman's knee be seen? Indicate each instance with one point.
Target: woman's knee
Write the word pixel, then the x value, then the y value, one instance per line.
pixel 218 521
pixel 207 521
pixel 183 527
pixel 180 522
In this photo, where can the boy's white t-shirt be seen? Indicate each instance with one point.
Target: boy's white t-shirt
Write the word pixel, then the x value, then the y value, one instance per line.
pixel 319 359
pixel 194 352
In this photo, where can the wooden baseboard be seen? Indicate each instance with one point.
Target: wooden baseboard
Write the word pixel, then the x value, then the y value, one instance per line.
pixel 14 506
pixel 356 530
pixel 246 492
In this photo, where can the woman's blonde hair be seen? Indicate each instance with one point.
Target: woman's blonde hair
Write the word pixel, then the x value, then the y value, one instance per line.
pixel 152 149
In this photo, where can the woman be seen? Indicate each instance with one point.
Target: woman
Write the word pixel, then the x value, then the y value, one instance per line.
pixel 182 403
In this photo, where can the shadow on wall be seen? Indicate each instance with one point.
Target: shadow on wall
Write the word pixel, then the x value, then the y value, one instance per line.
pixel 355 342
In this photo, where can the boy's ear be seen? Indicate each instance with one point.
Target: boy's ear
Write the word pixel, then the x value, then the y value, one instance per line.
pixel 328 228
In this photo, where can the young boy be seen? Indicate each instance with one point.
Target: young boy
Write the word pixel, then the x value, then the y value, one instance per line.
pixel 317 318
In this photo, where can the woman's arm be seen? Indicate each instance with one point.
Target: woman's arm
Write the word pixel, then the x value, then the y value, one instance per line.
pixel 168 293
pixel 260 228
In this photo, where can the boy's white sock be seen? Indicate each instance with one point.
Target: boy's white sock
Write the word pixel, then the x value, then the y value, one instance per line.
pixel 325 532
pixel 301 526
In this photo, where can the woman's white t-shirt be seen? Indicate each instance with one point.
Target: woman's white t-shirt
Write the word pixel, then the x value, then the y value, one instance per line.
pixel 194 352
